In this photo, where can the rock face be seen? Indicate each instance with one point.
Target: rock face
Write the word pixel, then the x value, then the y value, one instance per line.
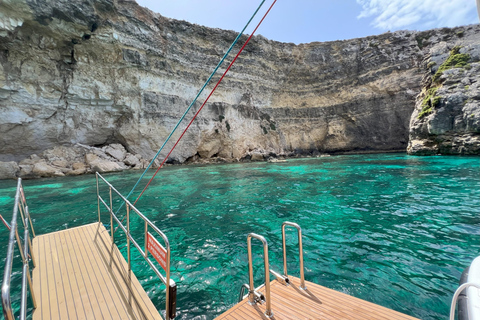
pixel 107 72
pixel 446 119
pixel 9 169
pixel 75 160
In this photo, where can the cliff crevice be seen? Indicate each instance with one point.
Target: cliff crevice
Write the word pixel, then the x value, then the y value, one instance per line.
pixel 105 72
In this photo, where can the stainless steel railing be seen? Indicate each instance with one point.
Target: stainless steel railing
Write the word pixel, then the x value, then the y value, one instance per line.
pixel 242 292
pixel 170 308
pixel 253 295
pixel 300 252
pixel 26 254
pixel 457 293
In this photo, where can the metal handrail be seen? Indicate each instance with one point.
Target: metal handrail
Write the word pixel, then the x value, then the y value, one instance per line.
pixel 242 292
pixel 20 202
pixel 23 208
pixel 300 252
pixel 457 293
pixel 253 295
pixel 169 283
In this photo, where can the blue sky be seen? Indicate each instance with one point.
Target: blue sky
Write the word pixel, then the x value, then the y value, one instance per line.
pixel 302 21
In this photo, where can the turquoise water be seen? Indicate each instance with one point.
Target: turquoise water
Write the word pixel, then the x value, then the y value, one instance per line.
pixel 392 229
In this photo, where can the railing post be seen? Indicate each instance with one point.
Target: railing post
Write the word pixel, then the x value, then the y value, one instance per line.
pixel 32 294
pixel 170 284
pixel 300 252
pixel 30 219
pixel 111 215
pixel 30 249
pixel 251 294
pixel 30 246
pixel 146 237
pixel 6 300
pixel 19 243
pixel 23 305
pixel 128 238
pixel 21 207
pixel 167 296
pixel 26 277
pixel 98 198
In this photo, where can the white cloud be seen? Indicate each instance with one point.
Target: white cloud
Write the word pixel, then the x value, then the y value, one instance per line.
pixel 397 14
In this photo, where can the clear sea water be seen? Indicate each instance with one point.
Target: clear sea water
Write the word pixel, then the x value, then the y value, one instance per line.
pixel 392 229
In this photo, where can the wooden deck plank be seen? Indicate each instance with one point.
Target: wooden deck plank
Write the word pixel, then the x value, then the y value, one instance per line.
pixel 323 303
pixel 81 274
pixel 52 289
pixel 317 302
pixel 42 291
pixel 118 270
pixel 83 300
pixel 110 293
pixel 88 288
pixel 374 311
pixel 79 311
pixel 65 290
pixel 98 300
pixel 290 302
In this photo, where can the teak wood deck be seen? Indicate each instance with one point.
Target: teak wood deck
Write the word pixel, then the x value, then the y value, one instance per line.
pixel 317 302
pixel 80 274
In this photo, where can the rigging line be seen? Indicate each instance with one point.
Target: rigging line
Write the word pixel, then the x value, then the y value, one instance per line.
pixel 193 102
pixel 213 90
pixel 5 222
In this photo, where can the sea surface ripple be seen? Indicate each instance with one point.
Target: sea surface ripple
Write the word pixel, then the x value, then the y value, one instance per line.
pixel 392 229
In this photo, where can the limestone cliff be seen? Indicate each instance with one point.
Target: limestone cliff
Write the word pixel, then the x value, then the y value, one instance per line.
pixel 446 119
pixel 109 71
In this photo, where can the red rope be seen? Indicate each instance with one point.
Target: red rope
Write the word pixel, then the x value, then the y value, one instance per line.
pixel 5 222
pixel 213 90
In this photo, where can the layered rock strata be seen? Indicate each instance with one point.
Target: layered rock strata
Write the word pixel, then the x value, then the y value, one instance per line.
pixel 106 72
pixel 446 119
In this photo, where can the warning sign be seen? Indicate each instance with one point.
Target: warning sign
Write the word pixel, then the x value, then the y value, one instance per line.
pixel 157 251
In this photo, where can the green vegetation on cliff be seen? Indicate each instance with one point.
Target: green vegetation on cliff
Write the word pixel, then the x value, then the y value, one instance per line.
pixel 455 60
pixel 429 102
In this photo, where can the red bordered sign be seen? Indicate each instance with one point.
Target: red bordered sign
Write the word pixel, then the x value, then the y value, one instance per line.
pixel 157 251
